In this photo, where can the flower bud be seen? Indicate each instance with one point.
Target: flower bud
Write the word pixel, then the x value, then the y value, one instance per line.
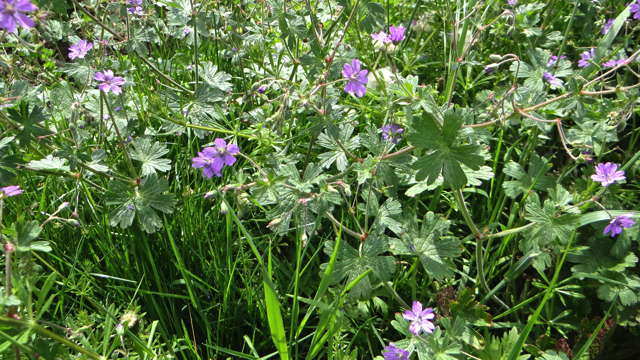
pixel 274 222
pixel 209 194
pixel 8 246
pixel 304 239
pixel 495 57
pixel 511 30
pixel 64 205
pixel 73 222
pixel 491 68
pixel 224 209
pixel 120 329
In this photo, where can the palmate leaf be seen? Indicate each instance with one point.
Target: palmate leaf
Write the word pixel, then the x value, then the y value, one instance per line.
pixel 597 257
pixel 335 153
pixel 524 180
pixel 143 202
pixel 7 162
pixel 470 310
pixel 24 234
pixel 548 226
pixel 30 121
pixel 446 156
pixel 434 250
pixel 354 262
pixel 149 154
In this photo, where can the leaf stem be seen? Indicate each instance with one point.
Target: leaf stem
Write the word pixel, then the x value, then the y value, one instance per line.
pixel 115 126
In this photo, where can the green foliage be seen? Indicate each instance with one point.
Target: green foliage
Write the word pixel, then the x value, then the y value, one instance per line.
pixel 447 154
pixel 30 121
pixel 469 310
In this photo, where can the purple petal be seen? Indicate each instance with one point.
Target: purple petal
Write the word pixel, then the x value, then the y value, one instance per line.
pixel 99 77
pixel 116 90
pixel 220 143
pixel 199 162
pixel 7 22
pixel 351 87
pixel 347 71
pixel 408 315
pixel 209 152
pixel 104 87
pixel 117 80
pixel 428 327
pixel 607 229
pixel 355 64
pixel 415 328
pixel 25 6
pixel 229 159
pixel 233 149
pixel 108 74
pixel 216 164
pixel 360 89
pixel 416 307
pixel 207 172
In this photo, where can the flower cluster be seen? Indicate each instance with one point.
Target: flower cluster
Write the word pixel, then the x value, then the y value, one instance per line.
pixel 551 79
pixel 12 12
pixel 396 35
pixel 136 9
pixel 554 58
pixel 392 132
pixel 213 159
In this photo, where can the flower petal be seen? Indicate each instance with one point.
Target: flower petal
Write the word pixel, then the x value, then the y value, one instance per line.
pixel 229 159
pixel 233 149
pixel 220 143
pixel 216 164
pixel 7 22
pixel 416 307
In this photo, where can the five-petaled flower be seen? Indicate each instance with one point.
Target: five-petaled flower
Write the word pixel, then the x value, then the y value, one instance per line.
pixel 382 37
pixel 396 34
pixel 109 82
pixel 137 7
pixel 213 159
pixel 613 63
pixel 392 132
pixel 607 174
pixel 357 78
pixel 12 12
pixel 12 190
pixel 607 26
pixel 554 58
pixel 393 353
pixel 420 318
pixel 551 79
pixel 80 50
pixel 586 56
pixel 619 222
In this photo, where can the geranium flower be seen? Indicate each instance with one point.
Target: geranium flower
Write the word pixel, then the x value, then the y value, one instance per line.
pixel 80 50
pixel 607 26
pixel 109 82
pixel 393 353
pixel 213 159
pixel 420 318
pixel 607 174
pixel 512 2
pixel 635 8
pixel 613 63
pixel 619 222
pixel 12 190
pixel 12 12
pixel 553 59
pixel 137 7
pixel 382 37
pixel 357 78
pixel 392 132
pixel 551 79
pixel 586 56
pixel 396 34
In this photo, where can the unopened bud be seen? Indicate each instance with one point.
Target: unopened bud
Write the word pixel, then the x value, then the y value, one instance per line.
pixel 73 222
pixel 491 68
pixel 495 57
pixel 209 194
pixel 274 222
pixel 224 209
pixel 64 205
pixel 8 246
pixel 511 30
pixel 120 329
pixel 304 239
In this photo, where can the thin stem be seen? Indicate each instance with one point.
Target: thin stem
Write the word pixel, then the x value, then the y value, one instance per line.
pixel 347 230
pixel 115 126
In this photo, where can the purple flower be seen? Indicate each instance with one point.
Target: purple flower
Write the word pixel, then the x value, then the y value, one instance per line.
pixel 553 59
pixel 119 108
pixel 607 26
pixel 396 34
pixel 109 82
pixel 393 353
pixel 187 31
pixel 12 190
pixel 357 78
pixel 382 37
pixel 551 79
pixel 131 207
pixel 635 8
pixel 80 50
pixel 420 318
pixel 613 63
pixel 137 7
pixel 261 89
pixel 12 12
pixel 213 159
pixel 607 174
pixel 586 56
pixel 619 222
pixel 512 2
pixel 392 132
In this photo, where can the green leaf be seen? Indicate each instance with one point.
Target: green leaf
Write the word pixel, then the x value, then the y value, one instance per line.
pixel 49 163
pixel 26 233
pixel 335 153
pixel 446 156
pixel 214 77
pixel 499 349
pixel 597 257
pixel 429 244
pixel 469 310
pixel 355 262
pixel 525 180
pixel 142 202
pixel 149 154
pixel 30 121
